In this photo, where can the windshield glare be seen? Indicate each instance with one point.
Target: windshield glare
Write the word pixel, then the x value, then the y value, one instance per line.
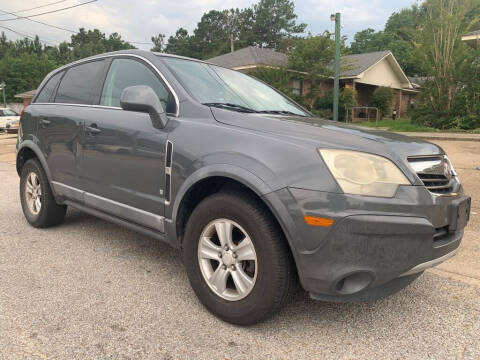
pixel 213 84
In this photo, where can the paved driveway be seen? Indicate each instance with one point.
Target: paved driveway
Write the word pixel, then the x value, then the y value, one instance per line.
pixel 92 290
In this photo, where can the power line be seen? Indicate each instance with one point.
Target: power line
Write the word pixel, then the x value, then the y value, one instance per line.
pixel 55 26
pixel 49 12
pixel 40 22
pixel 38 7
pixel 26 35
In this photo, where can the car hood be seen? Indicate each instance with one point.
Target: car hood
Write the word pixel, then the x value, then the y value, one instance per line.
pixel 330 134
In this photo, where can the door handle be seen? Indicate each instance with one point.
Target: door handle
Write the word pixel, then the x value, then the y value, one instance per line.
pixel 44 123
pixel 93 129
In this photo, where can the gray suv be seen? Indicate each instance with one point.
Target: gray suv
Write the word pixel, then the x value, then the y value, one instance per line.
pixel 258 194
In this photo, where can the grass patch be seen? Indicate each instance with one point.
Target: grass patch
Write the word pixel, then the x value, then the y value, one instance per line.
pixel 402 124
pixel 405 125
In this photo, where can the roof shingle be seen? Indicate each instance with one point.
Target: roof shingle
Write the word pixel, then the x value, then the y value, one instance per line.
pixel 352 65
pixel 251 56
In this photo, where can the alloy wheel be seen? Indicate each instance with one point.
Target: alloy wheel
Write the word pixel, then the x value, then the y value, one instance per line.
pixel 227 259
pixel 33 193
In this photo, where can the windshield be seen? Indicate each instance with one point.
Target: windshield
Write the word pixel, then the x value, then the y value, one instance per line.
pixel 216 86
pixel 8 112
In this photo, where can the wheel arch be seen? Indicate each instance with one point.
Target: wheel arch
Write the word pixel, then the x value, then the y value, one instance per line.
pixel 28 150
pixel 206 182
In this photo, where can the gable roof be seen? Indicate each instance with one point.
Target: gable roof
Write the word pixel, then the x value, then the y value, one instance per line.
pixel 250 56
pixel 354 65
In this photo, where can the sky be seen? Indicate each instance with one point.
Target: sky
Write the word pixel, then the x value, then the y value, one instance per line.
pixel 138 20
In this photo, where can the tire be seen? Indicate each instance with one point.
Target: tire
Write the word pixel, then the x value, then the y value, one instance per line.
pixel 48 213
pixel 274 275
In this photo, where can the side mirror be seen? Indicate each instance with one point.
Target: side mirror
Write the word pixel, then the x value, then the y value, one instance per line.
pixel 142 98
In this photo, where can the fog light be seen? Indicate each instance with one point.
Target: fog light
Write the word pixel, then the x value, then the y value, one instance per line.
pixel 354 283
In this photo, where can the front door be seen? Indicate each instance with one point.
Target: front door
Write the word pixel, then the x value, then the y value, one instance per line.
pixel 123 155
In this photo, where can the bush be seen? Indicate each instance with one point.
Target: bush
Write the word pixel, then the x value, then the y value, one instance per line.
pixel 382 98
pixel 346 100
pixel 324 113
pixel 467 122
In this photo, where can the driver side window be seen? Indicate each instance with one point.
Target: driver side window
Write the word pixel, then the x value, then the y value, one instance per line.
pixel 128 72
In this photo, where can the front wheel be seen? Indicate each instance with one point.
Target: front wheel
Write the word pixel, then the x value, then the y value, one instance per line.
pixel 237 259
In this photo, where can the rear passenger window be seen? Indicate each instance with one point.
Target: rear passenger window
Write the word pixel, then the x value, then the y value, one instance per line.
pixel 47 91
pixel 78 84
pixel 127 72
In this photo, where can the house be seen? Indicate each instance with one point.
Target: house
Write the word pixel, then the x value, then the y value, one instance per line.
pixel 361 72
pixel 26 96
pixel 472 38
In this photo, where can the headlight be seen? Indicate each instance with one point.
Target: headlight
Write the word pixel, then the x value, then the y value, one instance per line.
pixel 364 174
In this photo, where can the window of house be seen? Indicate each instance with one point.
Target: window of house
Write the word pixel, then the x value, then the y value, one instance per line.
pixel 78 84
pixel 128 72
pixel 297 87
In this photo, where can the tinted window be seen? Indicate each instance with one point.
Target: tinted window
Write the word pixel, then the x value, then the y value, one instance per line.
pixel 127 72
pixel 78 84
pixel 47 91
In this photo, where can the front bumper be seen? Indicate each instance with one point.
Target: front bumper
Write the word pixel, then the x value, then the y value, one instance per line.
pixel 376 245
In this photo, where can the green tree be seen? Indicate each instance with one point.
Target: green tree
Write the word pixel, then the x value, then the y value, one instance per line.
pixel 93 42
pixel 400 37
pixel 24 72
pixel 25 62
pixel 274 21
pixel 312 58
pixel 450 98
pixel 218 32
pixel 158 43
pixel 212 35
pixel 181 44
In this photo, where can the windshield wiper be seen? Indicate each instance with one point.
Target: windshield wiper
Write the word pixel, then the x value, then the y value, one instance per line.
pixel 280 112
pixel 231 106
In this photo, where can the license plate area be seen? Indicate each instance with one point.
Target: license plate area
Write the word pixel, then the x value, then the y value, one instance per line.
pixel 459 213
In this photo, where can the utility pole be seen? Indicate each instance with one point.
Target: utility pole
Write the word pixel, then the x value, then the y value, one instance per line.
pixel 232 49
pixel 336 81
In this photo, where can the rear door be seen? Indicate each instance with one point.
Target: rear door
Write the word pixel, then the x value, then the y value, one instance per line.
pixel 123 160
pixel 61 109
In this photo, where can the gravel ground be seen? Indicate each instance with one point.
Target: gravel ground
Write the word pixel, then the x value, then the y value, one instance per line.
pixel 92 290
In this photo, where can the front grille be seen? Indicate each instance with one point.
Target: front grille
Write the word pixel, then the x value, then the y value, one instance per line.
pixel 435 172
pixel 438 184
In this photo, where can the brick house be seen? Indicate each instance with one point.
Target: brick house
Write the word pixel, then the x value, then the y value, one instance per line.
pixel 361 72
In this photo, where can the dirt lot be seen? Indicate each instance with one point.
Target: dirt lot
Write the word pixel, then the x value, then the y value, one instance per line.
pixel 92 290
